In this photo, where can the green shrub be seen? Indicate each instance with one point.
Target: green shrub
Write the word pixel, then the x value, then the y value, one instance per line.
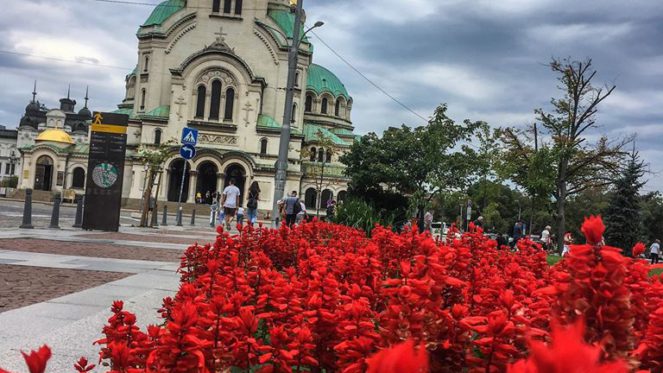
pixel 358 214
pixel 9 182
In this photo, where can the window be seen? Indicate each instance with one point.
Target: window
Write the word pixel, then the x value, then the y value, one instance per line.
pixel 313 153
pixel 297 79
pixel 238 7
pixel 294 113
pixel 216 5
pixel 143 93
pixel 147 63
pixel 157 136
pixel 337 108
pixel 13 169
pixel 200 102
pixel 227 5
pixel 321 154
pixel 263 147
pixel 310 197
pixel 78 179
pixel 341 195
pixel 327 196
pixel 328 158
pixel 308 104
pixel 323 109
pixel 216 100
pixel 7 167
pixel 230 104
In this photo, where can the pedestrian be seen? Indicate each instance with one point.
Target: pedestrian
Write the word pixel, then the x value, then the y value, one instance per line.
pixel 230 202
pixel 479 222
pixel 331 209
pixel 654 251
pixel 208 197
pixel 545 237
pixel 252 203
pixel 240 215
pixel 213 210
pixel 301 215
pixel 517 232
pixel 568 240
pixel 199 197
pixel 428 221
pixel 291 208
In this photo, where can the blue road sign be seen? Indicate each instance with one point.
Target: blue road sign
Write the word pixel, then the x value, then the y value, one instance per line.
pixel 189 136
pixel 187 151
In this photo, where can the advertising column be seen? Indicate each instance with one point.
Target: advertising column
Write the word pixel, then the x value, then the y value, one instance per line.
pixel 105 170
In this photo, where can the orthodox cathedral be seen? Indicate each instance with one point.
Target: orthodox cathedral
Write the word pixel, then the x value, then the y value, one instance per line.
pixel 219 66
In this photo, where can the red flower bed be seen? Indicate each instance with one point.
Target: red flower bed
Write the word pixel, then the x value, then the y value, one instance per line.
pixel 324 297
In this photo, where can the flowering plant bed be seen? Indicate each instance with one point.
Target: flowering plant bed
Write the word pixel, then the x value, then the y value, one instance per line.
pixel 326 298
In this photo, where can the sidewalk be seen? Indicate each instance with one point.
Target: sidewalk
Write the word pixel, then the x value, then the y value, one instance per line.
pixel 69 324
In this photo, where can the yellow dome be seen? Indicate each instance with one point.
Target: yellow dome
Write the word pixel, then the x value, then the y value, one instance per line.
pixel 55 135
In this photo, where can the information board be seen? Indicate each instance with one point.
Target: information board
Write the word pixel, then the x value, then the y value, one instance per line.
pixel 105 170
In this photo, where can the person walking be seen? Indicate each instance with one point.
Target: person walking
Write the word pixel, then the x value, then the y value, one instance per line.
pixel 654 251
pixel 428 221
pixel 545 237
pixel 252 203
pixel 230 202
pixel 301 216
pixel 291 208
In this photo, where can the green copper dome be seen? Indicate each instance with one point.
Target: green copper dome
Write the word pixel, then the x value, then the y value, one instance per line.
pixel 163 11
pixel 322 80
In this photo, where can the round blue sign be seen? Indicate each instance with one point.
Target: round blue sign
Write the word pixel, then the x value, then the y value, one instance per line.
pixel 187 151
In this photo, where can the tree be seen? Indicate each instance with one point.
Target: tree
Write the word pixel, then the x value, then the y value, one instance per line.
pixel 326 149
pixel 652 216
pixel 577 165
pixel 153 158
pixel 623 215
pixel 419 162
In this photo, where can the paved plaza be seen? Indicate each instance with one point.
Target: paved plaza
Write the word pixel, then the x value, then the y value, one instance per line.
pixel 57 285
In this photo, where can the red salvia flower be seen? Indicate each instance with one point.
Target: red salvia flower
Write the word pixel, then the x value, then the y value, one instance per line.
pixel 37 360
pixel 593 229
pixel 401 358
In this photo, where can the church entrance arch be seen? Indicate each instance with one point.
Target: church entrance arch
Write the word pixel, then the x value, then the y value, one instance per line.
pixel 206 182
pixel 44 173
pixel 175 180
pixel 237 172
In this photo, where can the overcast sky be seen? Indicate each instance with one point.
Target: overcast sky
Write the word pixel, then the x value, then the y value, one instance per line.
pixel 485 58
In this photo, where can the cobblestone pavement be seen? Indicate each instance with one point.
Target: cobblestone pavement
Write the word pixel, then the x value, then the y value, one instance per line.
pixel 22 285
pixel 91 249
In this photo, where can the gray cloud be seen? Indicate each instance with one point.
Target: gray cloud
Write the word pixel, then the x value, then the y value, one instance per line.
pixel 486 59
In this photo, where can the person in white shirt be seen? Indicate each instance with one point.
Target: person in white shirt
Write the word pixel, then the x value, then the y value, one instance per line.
pixel 654 251
pixel 230 201
pixel 545 237
pixel 301 215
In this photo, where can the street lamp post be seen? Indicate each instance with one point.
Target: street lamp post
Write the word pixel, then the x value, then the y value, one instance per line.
pixel 284 141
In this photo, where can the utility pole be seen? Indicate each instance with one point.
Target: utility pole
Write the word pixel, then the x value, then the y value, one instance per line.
pixel 284 142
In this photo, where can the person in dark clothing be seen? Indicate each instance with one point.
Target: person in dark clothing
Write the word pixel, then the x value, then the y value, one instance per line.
pixel 292 207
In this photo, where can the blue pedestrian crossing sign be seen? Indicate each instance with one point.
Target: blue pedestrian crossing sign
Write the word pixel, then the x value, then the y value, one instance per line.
pixel 189 136
pixel 187 151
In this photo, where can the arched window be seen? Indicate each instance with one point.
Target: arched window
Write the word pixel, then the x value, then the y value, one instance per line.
pixel 200 102
pixel 294 113
pixel 313 153
pixel 147 63
pixel 157 136
pixel 78 179
pixel 227 5
pixel 238 7
pixel 216 100
pixel 143 93
pixel 308 104
pixel 327 196
pixel 325 103
pixel 216 5
pixel 328 158
pixel 337 107
pixel 321 154
pixel 341 195
pixel 310 197
pixel 263 147
pixel 230 104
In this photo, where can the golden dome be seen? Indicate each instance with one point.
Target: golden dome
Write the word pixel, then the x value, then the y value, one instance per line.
pixel 55 135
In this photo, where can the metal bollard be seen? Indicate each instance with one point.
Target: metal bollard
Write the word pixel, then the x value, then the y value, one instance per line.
pixel 78 221
pixel 193 216
pixel 27 211
pixel 55 215
pixel 153 221
pixel 164 220
pixel 178 217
